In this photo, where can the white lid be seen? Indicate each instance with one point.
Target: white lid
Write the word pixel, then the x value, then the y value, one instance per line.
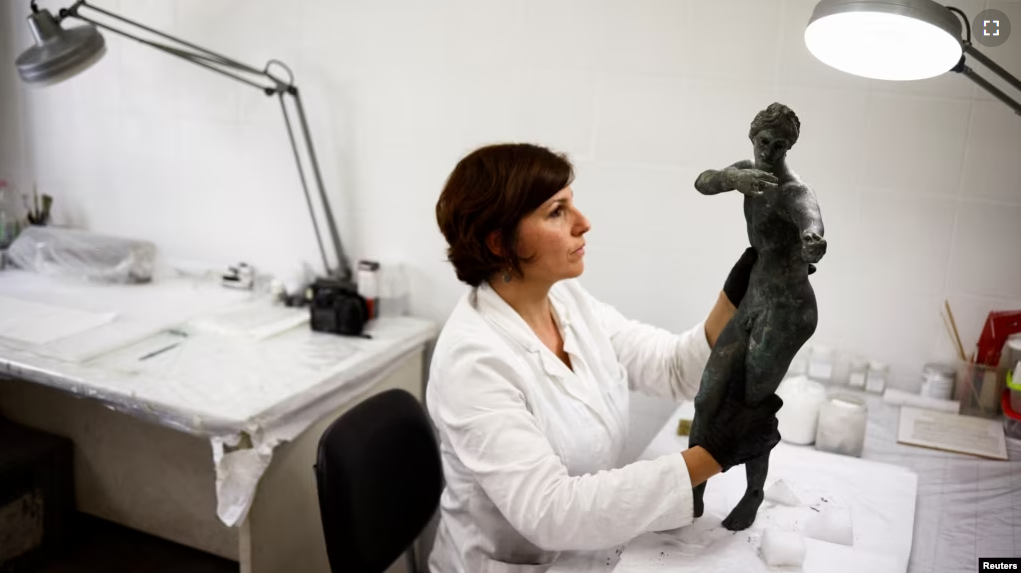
pixel 877 365
pixel 822 350
pixel 800 386
pixel 847 402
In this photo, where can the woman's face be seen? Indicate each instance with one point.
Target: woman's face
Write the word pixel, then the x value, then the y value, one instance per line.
pixel 553 236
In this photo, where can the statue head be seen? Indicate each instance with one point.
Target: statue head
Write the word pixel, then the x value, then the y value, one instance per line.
pixel 773 132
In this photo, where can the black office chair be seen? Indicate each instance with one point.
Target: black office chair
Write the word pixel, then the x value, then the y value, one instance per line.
pixel 379 478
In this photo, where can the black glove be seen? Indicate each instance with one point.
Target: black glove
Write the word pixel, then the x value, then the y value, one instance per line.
pixel 738 279
pixel 739 433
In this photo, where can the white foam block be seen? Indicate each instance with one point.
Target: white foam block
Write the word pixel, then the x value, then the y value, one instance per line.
pixel 781 493
pixel 782 548
pixel 834 526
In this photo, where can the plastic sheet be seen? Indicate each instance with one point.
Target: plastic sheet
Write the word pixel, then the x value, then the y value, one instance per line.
pixel 205 382
pixel 83 255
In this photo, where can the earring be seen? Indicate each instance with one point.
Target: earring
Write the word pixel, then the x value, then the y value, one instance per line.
pixel 507 276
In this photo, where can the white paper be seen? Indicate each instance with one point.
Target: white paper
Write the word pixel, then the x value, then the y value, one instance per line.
pixel 901 398
pixel 37 323
pixel 141 310
pixel 952 432
pixel 258 320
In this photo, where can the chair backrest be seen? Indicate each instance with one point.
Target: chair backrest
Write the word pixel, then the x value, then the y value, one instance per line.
pixel 379 477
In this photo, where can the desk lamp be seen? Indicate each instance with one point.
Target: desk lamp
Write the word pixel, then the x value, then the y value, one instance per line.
pixel 899 40
pixel 61 53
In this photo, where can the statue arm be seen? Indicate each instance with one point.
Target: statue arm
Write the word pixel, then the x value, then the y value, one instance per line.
pixel 713 181
pixel 803 209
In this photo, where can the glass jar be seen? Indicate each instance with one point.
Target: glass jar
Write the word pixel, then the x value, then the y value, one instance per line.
pixel 857 370
pixel 938 380
pixel 796 420
pixel 841 428
pixel 876 377
pixel 821 363
pixel 842 369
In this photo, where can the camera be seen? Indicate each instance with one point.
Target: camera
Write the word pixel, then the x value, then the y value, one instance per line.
pixel 336 307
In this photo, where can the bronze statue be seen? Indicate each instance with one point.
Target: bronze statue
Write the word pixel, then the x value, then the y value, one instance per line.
pixel 778 313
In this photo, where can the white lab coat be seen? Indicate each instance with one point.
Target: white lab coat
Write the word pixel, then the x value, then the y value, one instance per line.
pixel 529 447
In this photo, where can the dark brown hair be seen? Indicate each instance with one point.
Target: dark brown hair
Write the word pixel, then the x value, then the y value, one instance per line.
pixel 492 189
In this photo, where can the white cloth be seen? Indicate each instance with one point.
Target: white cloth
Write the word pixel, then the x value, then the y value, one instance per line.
pixel 530 446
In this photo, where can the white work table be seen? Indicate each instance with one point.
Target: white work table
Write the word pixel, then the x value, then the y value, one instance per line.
pixel 966 507
pixel 185 399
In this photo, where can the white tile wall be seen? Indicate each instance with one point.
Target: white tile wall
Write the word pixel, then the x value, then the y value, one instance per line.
pixel 903 242
pixel 914 144
pixel 918 182
pixel 986 255
pixel 993 146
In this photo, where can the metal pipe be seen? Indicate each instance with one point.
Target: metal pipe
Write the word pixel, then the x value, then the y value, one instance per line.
pixel 344 266
pixel 305 186
pixel 193 58
pixel 969 73
pixel 992 65
pixel 227 61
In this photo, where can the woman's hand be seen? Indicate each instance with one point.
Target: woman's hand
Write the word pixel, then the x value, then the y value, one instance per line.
pixel 731 296
pixel 740 433
pixel 737 282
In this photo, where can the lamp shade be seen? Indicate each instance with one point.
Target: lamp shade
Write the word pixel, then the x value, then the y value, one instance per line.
pixel 58 54
pixel 885 40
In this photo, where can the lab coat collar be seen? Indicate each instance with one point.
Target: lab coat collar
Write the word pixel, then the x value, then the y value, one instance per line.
pixel 494 308
pixel 498 312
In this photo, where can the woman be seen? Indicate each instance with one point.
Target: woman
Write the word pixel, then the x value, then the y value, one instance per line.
pixel 529 381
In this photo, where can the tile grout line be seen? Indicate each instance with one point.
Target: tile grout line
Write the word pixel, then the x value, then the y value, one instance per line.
pixel 958 200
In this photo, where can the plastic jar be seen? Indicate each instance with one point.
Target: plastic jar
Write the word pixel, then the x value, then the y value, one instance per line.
pixel 876 377
pixel 821 363
pixel 857 370
pixel 796 420
pixel 841 428
pixel 938 380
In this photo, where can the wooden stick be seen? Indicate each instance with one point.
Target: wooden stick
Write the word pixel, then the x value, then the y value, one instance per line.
pixel 954 327
pixel 951 334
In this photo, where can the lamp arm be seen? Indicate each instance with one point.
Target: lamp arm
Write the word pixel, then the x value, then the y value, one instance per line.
pixel 968 72
pixel 271 85
pixel 75 8
pixel 992 89
pixel 343 270
pixel 196 59
pixel 992 65
pixel 965 22
pixel 200 56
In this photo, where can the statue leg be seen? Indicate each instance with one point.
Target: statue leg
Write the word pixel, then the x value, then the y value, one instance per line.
pixel 726 364
pixel 744 514
pixel 771 351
